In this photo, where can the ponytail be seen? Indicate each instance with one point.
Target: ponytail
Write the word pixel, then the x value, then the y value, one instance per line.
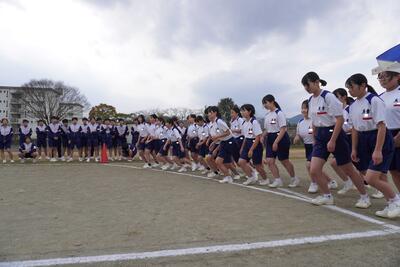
pixel 270 98
pixel 312 77
pixel 371 89
pixel 360 79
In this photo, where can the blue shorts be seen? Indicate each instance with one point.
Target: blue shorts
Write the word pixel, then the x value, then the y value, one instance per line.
pixel 41 142
pixel 228 150
pixel 54 142
pixel 84 140
pixel 5 144
pixel 108 141
pixel 163 152
pixel 158 144
pixel 365 148
pixel 135 137
pixel 308 148
pixel 150 145
pixel 239 141
pixel 141 145
pixel 93 141
pixel 283 146
pixel 395 164
pixel 192 145
pixel 203 150
pixel 342 150
pixel 257 152
pixel 176 150
pixel 75 142
pixel 121 141
pixel 64 141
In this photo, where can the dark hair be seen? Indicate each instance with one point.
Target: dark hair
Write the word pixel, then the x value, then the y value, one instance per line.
pixel 312 77
pixel 250 108
pixel 193 116
pixel 161 119
pixel 84 119
pixel 64 121
pixel 199 118
pixel 54 118
pixel 305 103
pixel 360 79
pixel 4 119
pixel 120 120
pixel 214 109
pixel 236 109
pixel 170 121
pixel 270 98
pixel 342 92
pixel 142 119
pixel 391 74
pixel 154 116
pixel 74 118
pixel 24 120
pixel 40 120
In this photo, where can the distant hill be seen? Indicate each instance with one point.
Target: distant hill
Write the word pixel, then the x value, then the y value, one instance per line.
pixel 294 120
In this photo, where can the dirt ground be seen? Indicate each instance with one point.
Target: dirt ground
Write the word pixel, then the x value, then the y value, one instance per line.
pixel 67 210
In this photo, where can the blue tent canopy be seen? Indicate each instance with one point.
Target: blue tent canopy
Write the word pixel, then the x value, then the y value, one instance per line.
pixel 393 54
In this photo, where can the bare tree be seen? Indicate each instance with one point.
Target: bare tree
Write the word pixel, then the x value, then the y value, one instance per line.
pixel 44 98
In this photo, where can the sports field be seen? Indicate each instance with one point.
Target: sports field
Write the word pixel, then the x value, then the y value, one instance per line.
pixel 119 214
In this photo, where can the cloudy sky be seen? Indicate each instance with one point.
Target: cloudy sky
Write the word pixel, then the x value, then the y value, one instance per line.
pixel 174 53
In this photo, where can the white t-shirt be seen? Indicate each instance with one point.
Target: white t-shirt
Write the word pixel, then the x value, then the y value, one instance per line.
pixel 323 111
pixel 274 121
pixel 218 127
pixel 251 128
pixel 364 115
pixel 305 131
pixel 392 112
pixel 236 124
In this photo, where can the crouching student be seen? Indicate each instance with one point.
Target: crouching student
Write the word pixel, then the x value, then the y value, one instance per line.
pixel 27 150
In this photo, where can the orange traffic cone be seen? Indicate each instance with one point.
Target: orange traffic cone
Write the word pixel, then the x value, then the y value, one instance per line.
pixel 104 157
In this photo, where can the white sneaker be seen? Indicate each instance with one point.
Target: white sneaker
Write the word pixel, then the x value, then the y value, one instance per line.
pixel 377 194
pixel 348 185
pixel 12 161
pixel 174 167
pixel 80 159
pixel 226 180
pixel 53 160
pixel 313 188
pixel 88 160
pixel 165 167
pixel 4 161
pixel 276 183
pixel 70 159
pixel 155 165
pixel 62 158
pixel 96 159
pixel 205 171
pixel 250 180
pixel 383 213
pixel 211 174
pixel 294 182
pixel 363 203
pixel 394 209
pixel 48 158
pixel 322 200
pixel 263 182
pixel 182 169
pixel 332 184
pixel 201 168
pixel 146 166
pixel 194 166
pixel 40 158
pixel 236 177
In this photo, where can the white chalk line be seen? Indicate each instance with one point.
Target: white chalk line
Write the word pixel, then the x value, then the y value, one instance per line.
pixel 285 193
pixel 197 250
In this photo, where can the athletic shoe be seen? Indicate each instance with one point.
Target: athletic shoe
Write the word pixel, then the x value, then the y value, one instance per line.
pixel 201 168
pixel 53 160
pixel 205 171
pixel 174 167
pixel 394 209
pixel 146 166
pixel 4 161
pixel 12 161
pixel 276 183
pixel 88 160
pixel 348 185
pixel 48 158
pixel 62 158
pixel 165 167
pixel 80 159
pixel 313 188
pixel 363 203
pixel 332 184
pixel 263 182
pixel 182 169
pixel 155 165
pixel 377 194
pixel 96 159
pixel 70 159
pixel 294 182
pixel 211 174
pixel 383 213
pixel 194 166
pixel 322 200
pixel 40 158
pixel 236 177
pixel 226 180
pixel 250 180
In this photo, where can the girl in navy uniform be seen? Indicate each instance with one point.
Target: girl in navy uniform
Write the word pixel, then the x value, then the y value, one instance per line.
pixel 84 138
pixel 114 139
pixel 135 132
pixel 143 134
pixel 93 139
pixel 27 150
pixel 6 134
pixel 228 150
pixel 64 149
pixel 236 125
pixel 99 122
pixel 150 140
pixel 107 132
pixel 304 132
pixel 54 135
pixel 203 134
pixel 122 131
pixel 74 139
pixel 251 148
pixel 24 131
pixel 175 140
pixel 193 139
pixel 372 146
pixel 41 136
pixel 390 81
pixel 326 113
pixel 161 143
pixel 277 142
pixel 213 149
pixel 346 101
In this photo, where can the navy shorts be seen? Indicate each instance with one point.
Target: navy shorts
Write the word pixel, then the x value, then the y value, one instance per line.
pixel 342 150
pixel 64 141
pixel 41 142
pixel 163 152
pixel 121 141
pixel 158 144
pixel 239 141
pixel 135 137
pixel 28 155
pixel 75 142
pixel 5 144
pixel 257 152
pixel 395 164
pixel 108 141
pixel 150 145
pixel 84 140
pixel 283 146
pixel 176 150
pixel 228 150
pixel 203 150
pixel 308 148
pixel 93 141
pixel 141 145
pixel 53 142
pixel 192 145
pixel 114 142
pixel 365 148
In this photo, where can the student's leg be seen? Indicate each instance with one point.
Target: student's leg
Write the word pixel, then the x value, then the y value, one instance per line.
pixel 376 179
pixel 10 154
pixel 2 154
pixel 355 177
pixel 316 173
pixel 273 167
pixel 338 170
pixel 260 169
pixel 211 163
pixel 244 165
pixel 289 167
pixel 221 166
pixel 396 178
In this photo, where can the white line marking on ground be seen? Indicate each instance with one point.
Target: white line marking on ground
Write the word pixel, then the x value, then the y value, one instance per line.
pixel 197 250
pixel 288 194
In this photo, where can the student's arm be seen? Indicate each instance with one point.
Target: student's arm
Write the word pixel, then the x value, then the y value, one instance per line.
pixel 377 156
pixel 354 145
pixel 255 144
pixel 336 131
